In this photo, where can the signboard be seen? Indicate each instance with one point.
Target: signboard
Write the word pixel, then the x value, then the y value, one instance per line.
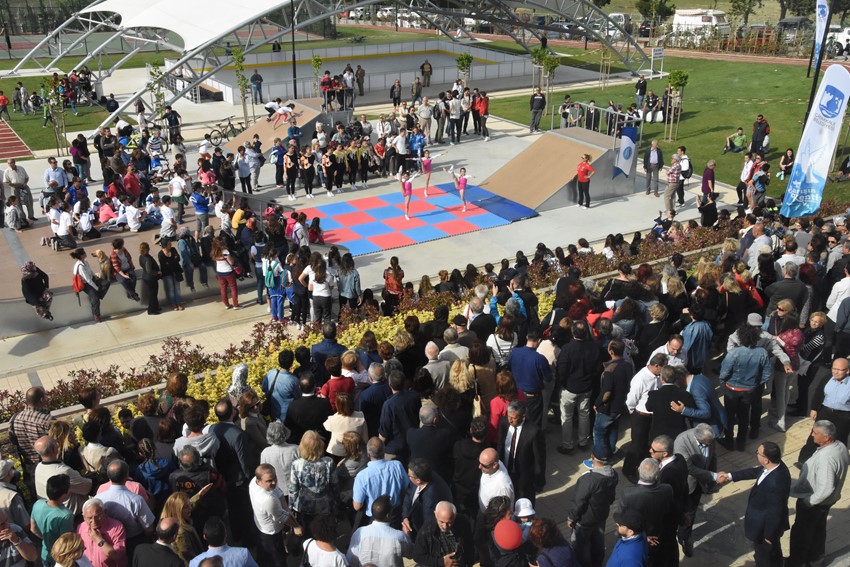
pixel 656 55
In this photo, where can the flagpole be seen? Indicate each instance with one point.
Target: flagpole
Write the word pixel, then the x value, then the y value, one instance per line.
pixel 819 57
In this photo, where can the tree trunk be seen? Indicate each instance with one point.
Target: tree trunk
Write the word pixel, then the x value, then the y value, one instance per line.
pixel 783 9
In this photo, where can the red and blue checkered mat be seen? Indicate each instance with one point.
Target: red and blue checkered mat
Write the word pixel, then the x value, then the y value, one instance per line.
pixel 373 224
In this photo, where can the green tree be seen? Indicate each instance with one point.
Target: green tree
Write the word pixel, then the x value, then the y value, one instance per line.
pixel 157 90
pixel 655 9
pixel 801 7
pixel 242 81
pixel 600 3
pixel 316 62
pixel 745 8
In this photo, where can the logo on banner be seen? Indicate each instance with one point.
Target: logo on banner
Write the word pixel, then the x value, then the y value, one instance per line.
pixel 831 102
pixel 627 153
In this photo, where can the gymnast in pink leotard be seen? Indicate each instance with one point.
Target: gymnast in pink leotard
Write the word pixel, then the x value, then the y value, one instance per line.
pixel 425 160
pixel 405 180
pixel 460 183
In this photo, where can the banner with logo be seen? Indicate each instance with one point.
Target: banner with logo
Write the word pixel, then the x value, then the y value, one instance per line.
pixel 821 15
pixel 626 157
pixel 820 135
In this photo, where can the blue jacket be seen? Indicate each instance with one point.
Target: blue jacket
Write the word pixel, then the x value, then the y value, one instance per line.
pixel 286 389
pixel 697 337
pixel 629 553
pixel 708 408
pixel 745 368
pixel 530 368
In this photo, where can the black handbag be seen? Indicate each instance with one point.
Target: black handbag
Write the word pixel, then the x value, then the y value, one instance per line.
pixel 266 408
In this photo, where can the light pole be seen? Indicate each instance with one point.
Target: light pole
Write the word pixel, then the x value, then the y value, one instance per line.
pixel 294 72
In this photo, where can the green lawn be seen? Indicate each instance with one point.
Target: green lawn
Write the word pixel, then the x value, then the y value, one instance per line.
pixel 720 97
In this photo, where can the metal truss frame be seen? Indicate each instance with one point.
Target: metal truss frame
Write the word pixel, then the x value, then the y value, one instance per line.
pixel 204 61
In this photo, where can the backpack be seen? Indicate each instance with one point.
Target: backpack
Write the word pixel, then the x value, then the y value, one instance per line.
pixel 79 284
pixel 686 173
pixel 269 277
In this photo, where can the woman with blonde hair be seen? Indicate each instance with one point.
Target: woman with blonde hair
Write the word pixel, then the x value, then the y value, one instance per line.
pixel 676 298
pixel 252 422
pixel 784 325
pixel 425 287
pixel 460 377
pixel 354 461
pixel 67 551
pixel 66 440
pixel 188 544
pixel 735 304
pixel 344 421
pixel 313 486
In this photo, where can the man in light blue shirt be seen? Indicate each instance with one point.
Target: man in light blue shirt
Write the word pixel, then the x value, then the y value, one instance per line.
pixel 379 543
pixel 380 477
pixel 55 173
pixel 215 535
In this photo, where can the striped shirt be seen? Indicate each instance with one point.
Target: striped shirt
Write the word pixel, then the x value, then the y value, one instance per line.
pixel 26 427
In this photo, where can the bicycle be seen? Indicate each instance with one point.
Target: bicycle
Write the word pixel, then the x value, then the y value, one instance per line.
pixel 225 131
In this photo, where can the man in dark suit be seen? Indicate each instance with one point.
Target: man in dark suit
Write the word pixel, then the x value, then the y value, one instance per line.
pixel 371 400
pixel 399 414
pixel 160 552
pixel 320 352
pixel 432 443
pixel 674 471
pixel 665 420
pixel 425 491
pixel 653 161
pixel 697 446
pixel 236 463
pixel 655 504
pixel 467 474
pixel 522 448
pixel 308 412
pixel 480 323
pixel 766 518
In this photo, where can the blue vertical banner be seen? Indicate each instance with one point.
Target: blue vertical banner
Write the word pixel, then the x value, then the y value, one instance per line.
pixel 820 135
pixel 626 157
pixel 821 16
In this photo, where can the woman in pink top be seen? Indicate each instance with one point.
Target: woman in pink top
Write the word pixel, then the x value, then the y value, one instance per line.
pixel 460 183
pixel 506 392
pixel 406 182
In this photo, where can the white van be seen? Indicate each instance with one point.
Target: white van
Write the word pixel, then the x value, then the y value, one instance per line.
pixel 700 22
pixel 622 20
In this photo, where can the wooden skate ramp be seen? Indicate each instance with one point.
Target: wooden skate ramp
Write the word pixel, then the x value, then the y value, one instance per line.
pixel 537 176
pixel 306 112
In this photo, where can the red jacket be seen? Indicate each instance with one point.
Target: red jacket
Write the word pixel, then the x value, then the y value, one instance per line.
pixel 336 385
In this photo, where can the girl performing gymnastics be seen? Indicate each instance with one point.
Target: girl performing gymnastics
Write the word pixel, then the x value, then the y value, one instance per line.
pixel 425 160
pixel 405 180
pixel 460 182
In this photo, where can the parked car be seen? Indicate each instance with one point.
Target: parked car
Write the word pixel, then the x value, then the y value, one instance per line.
pixel 838 39
pixel 648 28
pixel 622 20
pixel 794 28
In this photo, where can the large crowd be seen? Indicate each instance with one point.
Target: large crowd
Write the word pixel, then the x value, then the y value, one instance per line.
pixel 433 446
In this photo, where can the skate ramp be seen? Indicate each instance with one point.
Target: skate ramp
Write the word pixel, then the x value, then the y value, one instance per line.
pixel 307 113
pixel 541 177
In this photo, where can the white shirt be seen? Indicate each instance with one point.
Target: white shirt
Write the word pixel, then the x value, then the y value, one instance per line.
pixel 400 144
pixel 840 291
pixel 379 544
pixel 319 289
pixel 496 484
pixel 745 171
pixel 128 508
pixel 281 458
pixel 641 385
pixel 167 216
pixel 65 222
pixel 53 214
pixel 177 186
pixel 204 147
pixel 269 515
pixel 680 359
pixel 134 217
pixel 318 557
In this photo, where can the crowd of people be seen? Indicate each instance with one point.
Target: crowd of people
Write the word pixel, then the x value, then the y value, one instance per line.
pixel 432 446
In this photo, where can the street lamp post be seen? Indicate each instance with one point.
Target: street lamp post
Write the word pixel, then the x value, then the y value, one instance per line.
pixel 294 72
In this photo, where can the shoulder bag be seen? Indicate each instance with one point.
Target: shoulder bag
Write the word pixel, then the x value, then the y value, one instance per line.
pixel 266 408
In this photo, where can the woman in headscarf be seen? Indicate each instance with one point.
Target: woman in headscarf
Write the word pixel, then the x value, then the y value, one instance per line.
pixel 238 383
pixel 35 286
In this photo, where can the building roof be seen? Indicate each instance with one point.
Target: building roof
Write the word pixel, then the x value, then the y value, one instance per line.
pixel 196 22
